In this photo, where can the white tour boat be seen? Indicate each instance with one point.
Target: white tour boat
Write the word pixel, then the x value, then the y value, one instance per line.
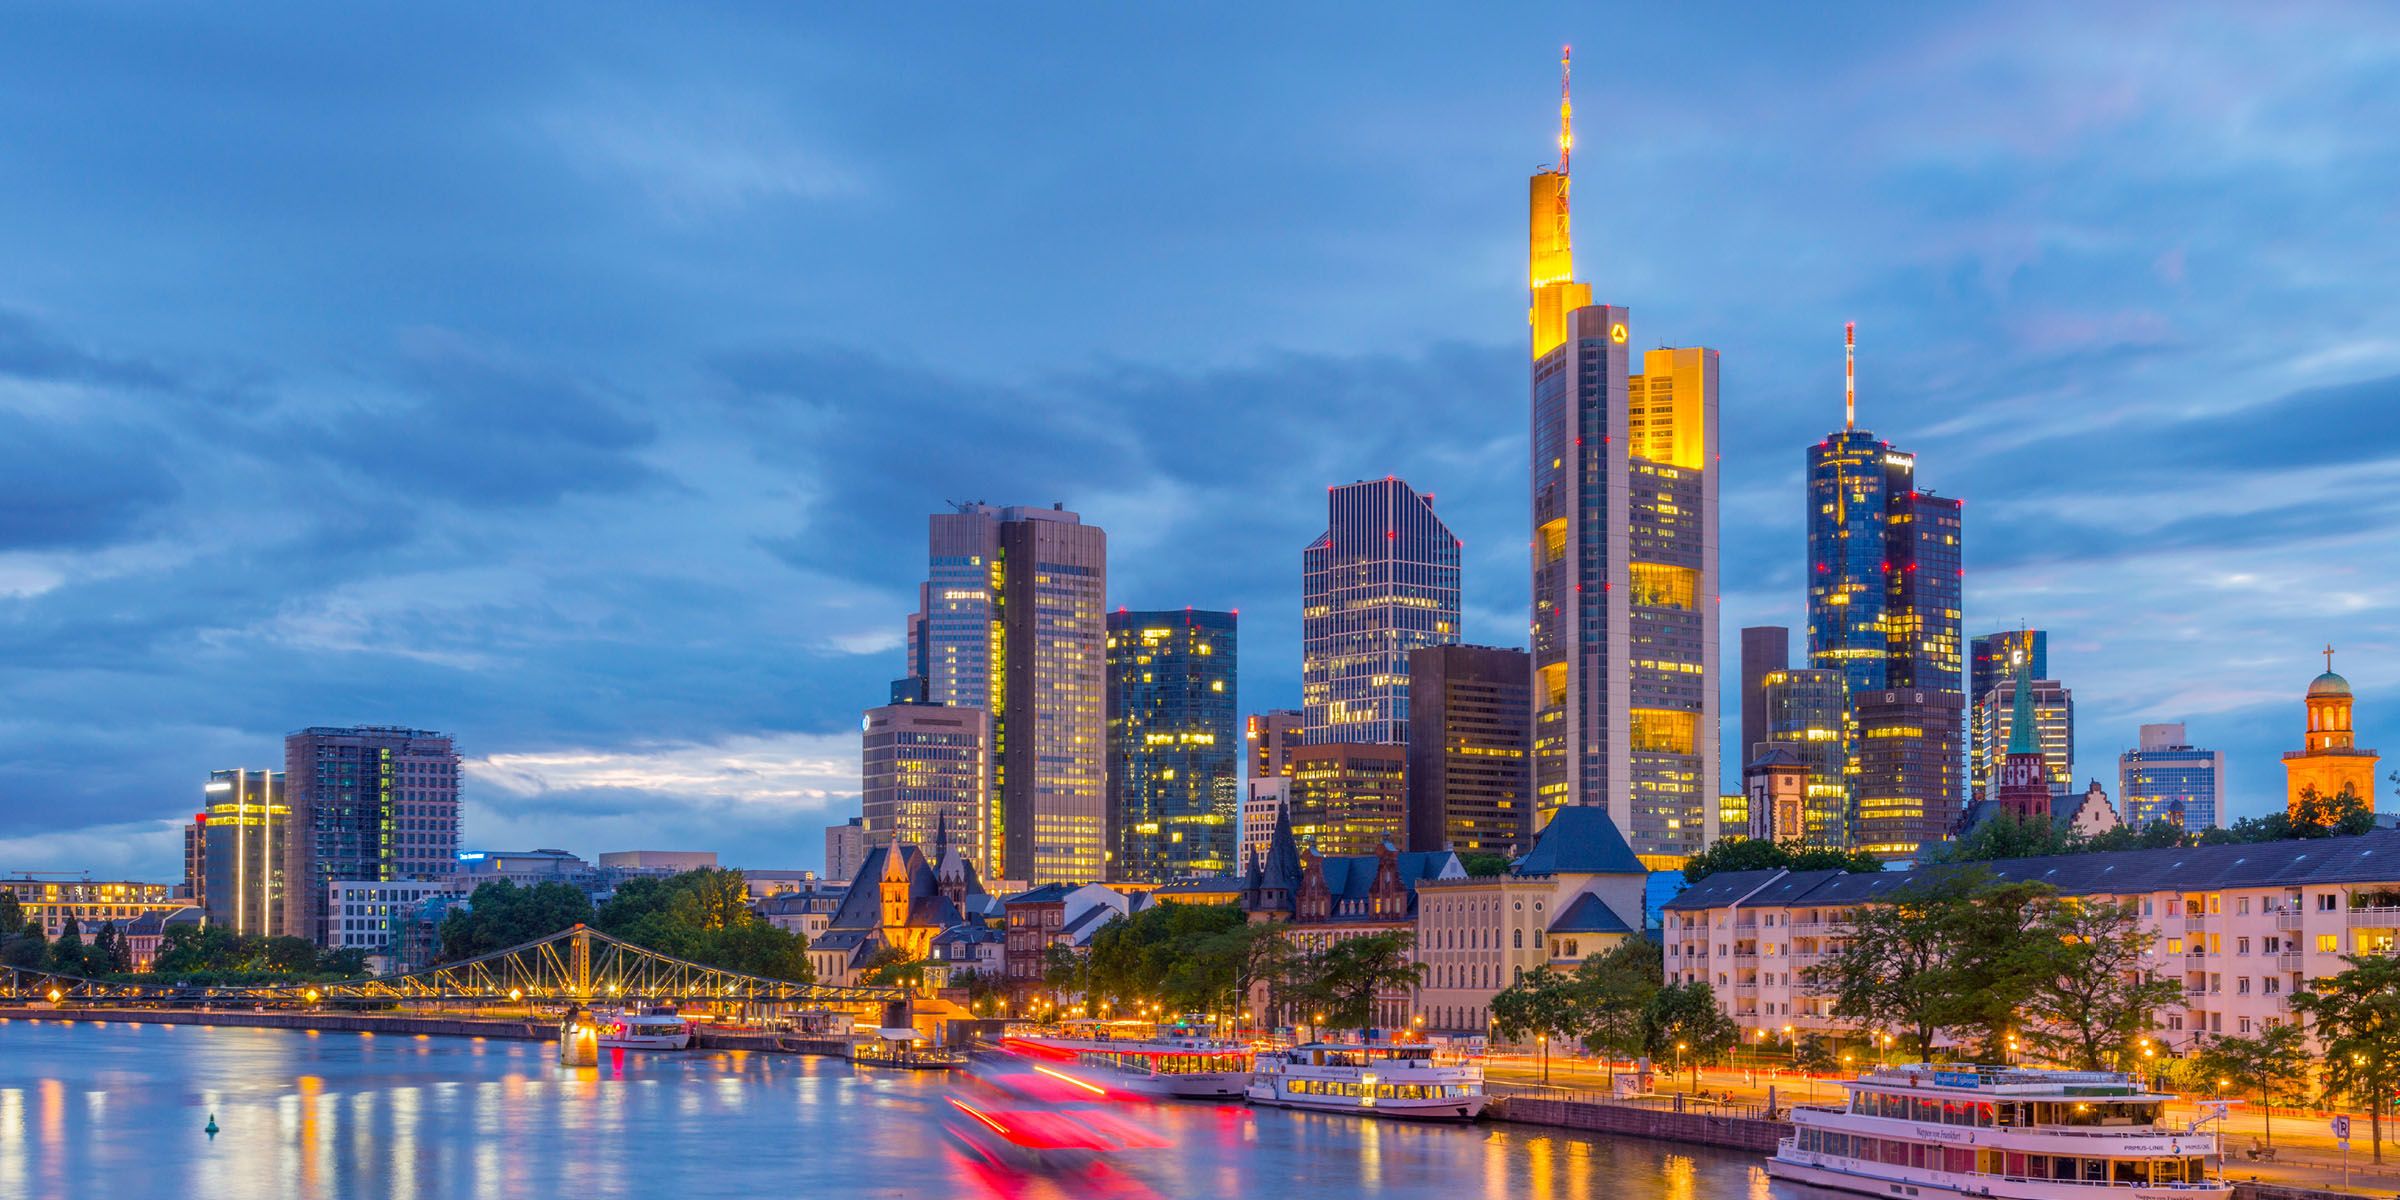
pixel 1163 1065
pixel 2004 1132
pixel 643 1029
pixel 1374 1079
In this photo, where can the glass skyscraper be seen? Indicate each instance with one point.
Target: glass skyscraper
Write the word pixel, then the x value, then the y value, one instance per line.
pixel 370 803
pixel 925 780
pixel 2168 779
pixel 1174 744
pixel 2054 733
pixel 1382 580
pixel 243 843
pixel 1808 713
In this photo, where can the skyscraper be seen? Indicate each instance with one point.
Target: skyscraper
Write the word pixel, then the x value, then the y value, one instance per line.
pixel 1884 578
pixel 845 849
pixel 1271 735
pixel 924 778
pixel 1807 714
pixel 1174 761
pixel 1764 648
pixel 1012 619
pixel 1993 661
pixel 2166 778
pixel 244 835
pixel 369 803
pixel 1470 738
pixel 1624 506
pixel 2054 733
pixel 1381 581
pixel 1349 797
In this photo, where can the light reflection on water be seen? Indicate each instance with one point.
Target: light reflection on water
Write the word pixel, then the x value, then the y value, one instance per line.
pixel 116 1110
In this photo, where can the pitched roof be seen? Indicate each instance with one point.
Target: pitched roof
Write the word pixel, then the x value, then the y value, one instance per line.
pixel 1580 840
pixel 1048 893
pixel 1589 915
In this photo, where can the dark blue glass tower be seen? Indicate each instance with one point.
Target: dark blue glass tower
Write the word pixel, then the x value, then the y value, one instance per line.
pixel 1174 744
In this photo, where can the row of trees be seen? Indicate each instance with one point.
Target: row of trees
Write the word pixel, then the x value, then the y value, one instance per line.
pixel 1616 1004
pixel 1207 958
pixel 2313 815
pixel 186 953
pixel 701 915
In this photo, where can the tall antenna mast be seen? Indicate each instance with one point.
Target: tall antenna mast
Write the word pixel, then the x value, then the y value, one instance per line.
pixel 1849 376
pixel 1566 109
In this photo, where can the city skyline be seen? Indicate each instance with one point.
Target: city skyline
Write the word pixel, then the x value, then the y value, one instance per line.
pixel 643 547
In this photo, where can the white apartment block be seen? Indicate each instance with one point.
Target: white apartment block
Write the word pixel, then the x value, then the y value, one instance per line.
pixel 2243 927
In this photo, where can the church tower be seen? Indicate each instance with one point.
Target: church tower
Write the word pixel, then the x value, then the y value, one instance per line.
pixel 2330 758
pixel 2023 788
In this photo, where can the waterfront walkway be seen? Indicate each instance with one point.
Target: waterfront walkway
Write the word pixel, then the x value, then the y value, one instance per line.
pixel 2305 1152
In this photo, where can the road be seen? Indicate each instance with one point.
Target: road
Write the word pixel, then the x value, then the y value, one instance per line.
pixel 2306 1154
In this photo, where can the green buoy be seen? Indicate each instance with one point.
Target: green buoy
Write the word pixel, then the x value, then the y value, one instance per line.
pixel 211 1127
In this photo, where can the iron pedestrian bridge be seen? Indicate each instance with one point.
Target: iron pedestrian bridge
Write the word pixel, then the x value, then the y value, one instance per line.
pixel 573 966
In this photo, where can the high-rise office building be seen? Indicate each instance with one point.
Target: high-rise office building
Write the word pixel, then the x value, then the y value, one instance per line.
pixel 1264 802
pixel 845 849
pixel 1013 620
pixel 2166 778
pixel 1884 577
pixel 1993 658
pixel 1470 741
pixel 2054 733
pixel 1174 762
pixel 1765 648
pixel 1624 506
pixel 1807 713
pixel 1349 797
pixel 1382 580
pixel 244 835
pixel 369 803
pixel 1271 735
pixel 924 777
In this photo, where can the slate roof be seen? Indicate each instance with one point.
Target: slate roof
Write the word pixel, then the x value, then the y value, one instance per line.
pixel 1580 840
pixel 2367 858
pixel 1589 915
pixel 862 905
pixel 1352 876
pixel 1048 893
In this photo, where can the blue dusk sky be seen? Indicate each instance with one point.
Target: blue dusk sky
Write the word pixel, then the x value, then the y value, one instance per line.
pixel 578 380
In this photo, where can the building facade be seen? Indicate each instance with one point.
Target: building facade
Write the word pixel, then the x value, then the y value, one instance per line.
pixel 1381 581
pixel 1174 755
pixel 50 904
pixel 2242 927
pixel 1264 802
pixel 1271 735
pixel 2330 759
pixel 1470 741
pixel 2166 778
pixel 244 836
pixel 1349 798
pixel 374 916
pixel 1992 661
pixel 370 803
pixel 925 776
pixel 1994 727
pixel 1012 620
pixel 1807 713
pixel 1765 649
pixel 1884 575
pixel 845 848
pixel 1624 549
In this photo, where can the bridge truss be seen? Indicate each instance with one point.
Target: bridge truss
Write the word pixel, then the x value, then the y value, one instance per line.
pixel 573 966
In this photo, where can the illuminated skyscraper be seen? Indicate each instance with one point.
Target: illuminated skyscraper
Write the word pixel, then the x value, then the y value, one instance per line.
pixel 925 774
pixel 1807 713
pixel 370 803
pixel 1993 658
pixel 2166 778
pixel 1624 504
pixel 1883 609
pixel 1382 580
pixel 1993 727
pixel 1349 797
pixel 1271 735
pixel 1174 757
pixel 244 843
pixel 1013 620
pixel 1765 648
pixel 1470 784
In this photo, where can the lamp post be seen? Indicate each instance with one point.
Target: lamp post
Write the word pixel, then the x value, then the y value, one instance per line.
pixel 1679 1048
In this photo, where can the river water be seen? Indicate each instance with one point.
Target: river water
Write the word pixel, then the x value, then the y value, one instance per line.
pixel 115 1111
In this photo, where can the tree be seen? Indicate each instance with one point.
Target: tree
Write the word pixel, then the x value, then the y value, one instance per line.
pixel 2357 1018
pixel 1543 1004
pixel 704 916
pixel 1066 970
pixel 12 914
pixel 1483 864
pixel 1185 957
pixel 1344 980
pixel 67 953
pixel 499 915
pixel 108 954
pixel 2093 990
pixel 2273 1066
pixel 2007 835
pixel 1944 953
pixel 1618 986
pixel 1683 1020
pixel 2344 813
pixel 2157 835
pixel 1751 854
pixel 893 966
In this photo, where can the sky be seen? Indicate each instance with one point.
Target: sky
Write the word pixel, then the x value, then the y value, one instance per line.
pixel 578 382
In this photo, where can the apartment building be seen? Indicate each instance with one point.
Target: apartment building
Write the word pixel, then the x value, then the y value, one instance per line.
pixel 2243 927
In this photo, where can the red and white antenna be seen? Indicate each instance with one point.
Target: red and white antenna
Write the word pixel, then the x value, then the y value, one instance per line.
pixel 1849 375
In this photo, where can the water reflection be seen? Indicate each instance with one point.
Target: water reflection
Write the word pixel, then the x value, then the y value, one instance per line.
pixel 87 1110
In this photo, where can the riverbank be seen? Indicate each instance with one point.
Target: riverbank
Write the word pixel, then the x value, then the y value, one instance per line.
pixel 411 1025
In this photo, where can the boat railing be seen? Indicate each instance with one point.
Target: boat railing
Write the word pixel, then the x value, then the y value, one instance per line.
pixel 1702 1104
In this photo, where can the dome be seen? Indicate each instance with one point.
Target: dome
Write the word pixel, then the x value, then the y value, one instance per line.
pixel 2328 684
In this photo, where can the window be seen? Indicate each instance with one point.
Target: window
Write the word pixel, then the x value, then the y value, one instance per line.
pixel 2328 943
pixel 2326 902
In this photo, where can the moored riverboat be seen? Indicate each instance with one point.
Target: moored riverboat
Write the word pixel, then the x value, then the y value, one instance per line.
pixel 1371 1079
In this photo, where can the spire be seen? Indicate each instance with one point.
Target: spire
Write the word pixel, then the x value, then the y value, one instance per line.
pixel 1566 109
pixel 2329 658
pixel 2022 737
pixel 1849 376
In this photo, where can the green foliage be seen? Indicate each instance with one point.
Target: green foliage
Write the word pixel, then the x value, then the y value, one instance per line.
pixel 1618 988
pixel 2007 835
pixel 2157 835
pixel 1683 1021
pixel 500 915
pixel 893 966
pixel 12 915
pixel 1183 957
pixel 1949 952
pixel 1483 864
pixel 2273 1065
pixel 1342 981
pixel 214 954
pixel 67 953
pixel 704 916
pixel 2091 992
pixel 1749 854
pixel 2343 814
pixel 108 954
pixel 2357 1018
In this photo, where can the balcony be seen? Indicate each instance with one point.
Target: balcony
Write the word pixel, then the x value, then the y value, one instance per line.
pixel 2289 960
pixel 2375 918
pixel 2193 922
pixel 2287 918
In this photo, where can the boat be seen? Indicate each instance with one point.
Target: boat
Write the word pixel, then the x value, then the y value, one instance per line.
pixel 1163 1065
pixel 903 1047
pixel 653 1028
pixel 2009 1133
pixel 1373 1079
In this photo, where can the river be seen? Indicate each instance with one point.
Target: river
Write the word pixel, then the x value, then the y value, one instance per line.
pixel 115 1111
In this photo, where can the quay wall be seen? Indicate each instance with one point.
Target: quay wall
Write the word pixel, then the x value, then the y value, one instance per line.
pixel 1702 1129
pixel 704 1038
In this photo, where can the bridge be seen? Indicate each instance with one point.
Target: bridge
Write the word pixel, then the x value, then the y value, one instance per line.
pixel 573 966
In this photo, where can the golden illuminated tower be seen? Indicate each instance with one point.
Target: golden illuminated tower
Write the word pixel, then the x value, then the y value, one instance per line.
pixel 1550 249
pixel 2331 760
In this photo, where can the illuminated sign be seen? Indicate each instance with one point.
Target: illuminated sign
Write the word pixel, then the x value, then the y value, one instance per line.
pixel 1616 333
